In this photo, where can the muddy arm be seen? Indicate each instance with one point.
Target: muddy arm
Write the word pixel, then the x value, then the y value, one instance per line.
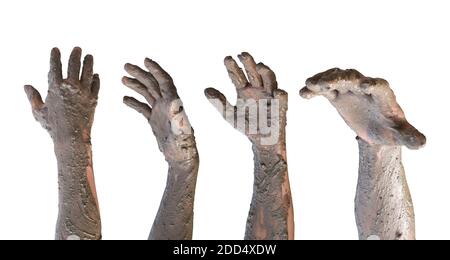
pixel 260 114
pixel 168 120
pixel 68 114
pixel 175 217
pixel 271 209
pixel 384 208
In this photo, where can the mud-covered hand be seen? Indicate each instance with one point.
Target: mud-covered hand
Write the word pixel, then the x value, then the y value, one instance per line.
pixel 70 104
pixel 165 113
pixel 164 110
pixel 368 106
pixel 260 112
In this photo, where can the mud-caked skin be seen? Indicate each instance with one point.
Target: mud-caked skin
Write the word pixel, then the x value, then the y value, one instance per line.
pixel 368 106
pixel 166 115
pixel 271 214
pixel 68 115
pixel 383 204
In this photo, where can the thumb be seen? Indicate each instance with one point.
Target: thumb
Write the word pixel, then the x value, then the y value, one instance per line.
pixel 34 97
pixel 219 101
pixel 307 93
pixel 410 136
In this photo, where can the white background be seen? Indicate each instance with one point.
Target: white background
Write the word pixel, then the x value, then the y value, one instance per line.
pixel 406 42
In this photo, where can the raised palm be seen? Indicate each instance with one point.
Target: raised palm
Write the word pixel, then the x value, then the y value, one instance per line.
pixel 260 111
pixel 70 104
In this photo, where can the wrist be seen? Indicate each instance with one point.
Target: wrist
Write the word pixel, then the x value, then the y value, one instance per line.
pixel 378 159
pixel 268 152
pixel 75 148
pixel 181 151
pixel 270 163
pixel 74 157
pixel 71 136
pixel 377 150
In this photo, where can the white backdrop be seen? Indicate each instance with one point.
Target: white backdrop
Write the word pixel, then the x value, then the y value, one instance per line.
pixel 406 42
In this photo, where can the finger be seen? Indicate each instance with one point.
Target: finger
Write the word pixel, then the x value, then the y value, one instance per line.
pixel 144 78
pixel 55 74
pixel 282 97
pixel 95 86
pixel 142 108
pixel 268 77
pixel 34 97
pixel 235 73
pixel 380 91
pixel 307 93
pixel 165 81
pixel 88 71
pixel 219 101
pixel 409 136
pixel 312 90
pixel 73 71
pixel 139 88
pixel 250 68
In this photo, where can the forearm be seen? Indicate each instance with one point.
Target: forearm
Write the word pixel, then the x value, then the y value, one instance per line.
pixel 271 211
pixel 384 207
pixel 174 220
pixel 79 215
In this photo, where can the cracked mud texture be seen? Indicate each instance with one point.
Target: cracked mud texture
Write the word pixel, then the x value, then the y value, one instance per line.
pixel 67 115
pixel 271 215
pixel 383 204
pixel 166 115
